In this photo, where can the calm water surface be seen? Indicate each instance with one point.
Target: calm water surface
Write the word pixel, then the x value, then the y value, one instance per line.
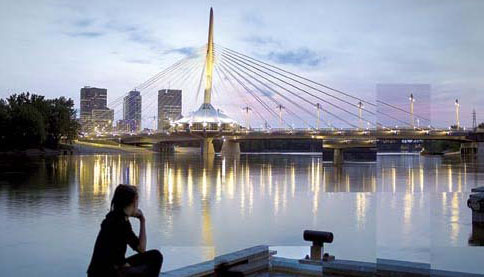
pixel 402 207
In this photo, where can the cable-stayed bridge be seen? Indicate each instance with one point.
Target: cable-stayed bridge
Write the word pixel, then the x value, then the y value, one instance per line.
pixel 236 97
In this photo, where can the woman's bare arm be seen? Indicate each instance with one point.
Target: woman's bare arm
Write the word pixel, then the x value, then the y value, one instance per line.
pixel 142 232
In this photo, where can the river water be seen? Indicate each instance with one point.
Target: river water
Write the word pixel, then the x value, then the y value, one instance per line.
pixel 403 207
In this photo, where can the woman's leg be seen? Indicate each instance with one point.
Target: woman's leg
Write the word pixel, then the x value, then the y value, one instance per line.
pixel 144 264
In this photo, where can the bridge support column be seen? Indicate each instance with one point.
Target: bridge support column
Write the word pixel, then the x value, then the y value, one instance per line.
pixel 206 147
pixel 472 150
pixel 338 156
pixel 230 148
pixel 164 147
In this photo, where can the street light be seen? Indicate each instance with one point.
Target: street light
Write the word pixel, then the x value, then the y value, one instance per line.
pixel 412 101
pixel 457 121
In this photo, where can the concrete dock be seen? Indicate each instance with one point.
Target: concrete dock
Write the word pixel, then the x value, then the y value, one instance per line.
pixel 259 261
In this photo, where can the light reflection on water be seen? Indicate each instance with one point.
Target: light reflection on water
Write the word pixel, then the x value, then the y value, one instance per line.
pixel 402 207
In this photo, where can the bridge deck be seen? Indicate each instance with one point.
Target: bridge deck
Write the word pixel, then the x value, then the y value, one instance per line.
pixel 333 135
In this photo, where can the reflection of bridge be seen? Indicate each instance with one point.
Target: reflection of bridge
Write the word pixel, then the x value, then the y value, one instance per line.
pixel 280 101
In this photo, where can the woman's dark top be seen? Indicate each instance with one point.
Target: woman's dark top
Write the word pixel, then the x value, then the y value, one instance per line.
pixel 110 247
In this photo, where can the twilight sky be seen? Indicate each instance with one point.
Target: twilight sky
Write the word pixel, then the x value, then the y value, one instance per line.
pixel 56 47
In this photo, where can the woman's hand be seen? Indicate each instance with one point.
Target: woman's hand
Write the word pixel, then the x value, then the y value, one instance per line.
pixel 139 215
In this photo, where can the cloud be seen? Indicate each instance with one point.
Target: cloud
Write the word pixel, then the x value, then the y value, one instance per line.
pixel 186 51
pixel 84 22
pixel 120 27
pixel 301 56
pixel 138 61
pixel 253 19
pixel 85 34
pixel 131 32
pixel 142 38
pixel 262 41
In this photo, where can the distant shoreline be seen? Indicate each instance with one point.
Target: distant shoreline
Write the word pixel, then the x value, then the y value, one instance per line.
pixel 83 147
pixel 77 148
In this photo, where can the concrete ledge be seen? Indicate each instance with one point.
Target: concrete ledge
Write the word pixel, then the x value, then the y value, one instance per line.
pixel 292 266
pixel 258 261
pixel 196 270
pixel 249 254
pixel 253 259
pixel 252 267
pixel 442 273
pixel 386 267
pixel 349 268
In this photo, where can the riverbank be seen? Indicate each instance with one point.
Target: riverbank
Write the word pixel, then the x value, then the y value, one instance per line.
pixel 63 149
pixel 78 148
pixel 83 147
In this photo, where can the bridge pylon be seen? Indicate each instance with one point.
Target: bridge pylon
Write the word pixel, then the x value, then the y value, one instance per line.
pixel 207 120
pixel 206 147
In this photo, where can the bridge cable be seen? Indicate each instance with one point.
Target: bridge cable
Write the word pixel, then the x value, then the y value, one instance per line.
pixel 270 97
pixel 332 104
pixel 325 86
pixel 264 105
pixel 294 103
pixel 236 90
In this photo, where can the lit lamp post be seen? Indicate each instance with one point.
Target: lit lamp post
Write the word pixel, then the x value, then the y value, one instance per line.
pixel 247 116
pixel 280 107
pixel 360 107
pixel 457 121
pixel 412 101
pixel 318 108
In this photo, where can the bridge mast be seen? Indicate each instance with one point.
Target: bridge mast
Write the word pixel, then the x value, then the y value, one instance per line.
pixel 209 62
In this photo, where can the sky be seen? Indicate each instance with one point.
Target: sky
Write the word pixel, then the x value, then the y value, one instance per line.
pixel 56 47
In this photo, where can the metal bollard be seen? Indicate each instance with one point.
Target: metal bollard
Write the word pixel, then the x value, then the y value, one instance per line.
pixel 318 238
pixel 476 204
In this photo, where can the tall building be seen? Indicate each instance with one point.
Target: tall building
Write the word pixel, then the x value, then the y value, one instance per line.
pixel 94 114
pixel 132 111
pixel 102 120
pixel 169 107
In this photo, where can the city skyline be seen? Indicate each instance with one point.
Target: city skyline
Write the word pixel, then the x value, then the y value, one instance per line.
pixel 350 46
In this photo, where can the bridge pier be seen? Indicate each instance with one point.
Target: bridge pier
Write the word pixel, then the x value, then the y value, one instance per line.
pixel 206 147
pixel 230 148
pixel 163 147
pixel 356 151
pixel 338 156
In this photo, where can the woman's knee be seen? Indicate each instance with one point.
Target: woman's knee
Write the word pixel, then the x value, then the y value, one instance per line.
pixel 155 256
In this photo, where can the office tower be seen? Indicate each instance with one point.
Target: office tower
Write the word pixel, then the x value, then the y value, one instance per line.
pixel 95 115
pixel 169 107
pixel 102 120
pixel 132 111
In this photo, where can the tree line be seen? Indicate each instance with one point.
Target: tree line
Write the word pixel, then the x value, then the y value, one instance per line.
pixel 31 121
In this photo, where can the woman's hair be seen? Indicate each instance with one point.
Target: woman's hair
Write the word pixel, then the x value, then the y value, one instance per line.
pixel 124 195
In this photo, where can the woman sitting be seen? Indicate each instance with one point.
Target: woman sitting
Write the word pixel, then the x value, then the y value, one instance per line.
pixel 108 258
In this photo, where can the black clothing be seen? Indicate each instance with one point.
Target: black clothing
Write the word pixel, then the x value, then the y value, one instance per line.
pixel 143 264
pixel 110 248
